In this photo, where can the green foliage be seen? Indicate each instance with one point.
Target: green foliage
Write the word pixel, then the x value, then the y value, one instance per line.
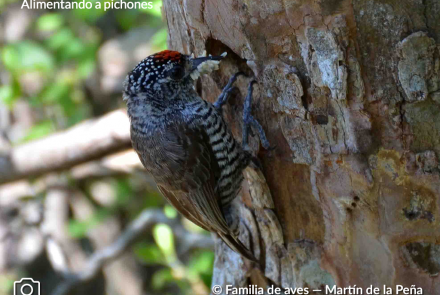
pixel 170 212
pixel 201 265
pixel 160 39
pixel 39 130
pixel 50 22
pixel 157 9
pixel 90 15
pixel 202 262
pixel 153 199
pixel 7 94
pixel 149 253
pixel 163 235
pixel 161 278
pixel 6 285
pixel 124 191
pixel 27 56
pixel 78 229
pixel 62 61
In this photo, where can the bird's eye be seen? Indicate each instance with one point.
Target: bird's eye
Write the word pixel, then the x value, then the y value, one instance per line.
pixel 177 73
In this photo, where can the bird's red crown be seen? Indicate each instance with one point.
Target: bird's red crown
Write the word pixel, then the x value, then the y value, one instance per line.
pixel 168 55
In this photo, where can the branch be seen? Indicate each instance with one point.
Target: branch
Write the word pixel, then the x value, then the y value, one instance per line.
pixel 145 220
pixel 119 164
pixel 84 142
pixel 141 224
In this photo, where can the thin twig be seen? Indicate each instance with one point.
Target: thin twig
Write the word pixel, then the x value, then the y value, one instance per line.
pixel 141 224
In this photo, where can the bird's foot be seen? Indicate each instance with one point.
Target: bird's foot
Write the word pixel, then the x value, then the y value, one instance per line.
pixel 249 120
pixel 221 100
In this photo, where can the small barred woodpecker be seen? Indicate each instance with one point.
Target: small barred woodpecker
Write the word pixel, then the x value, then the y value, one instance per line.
pixel 184 142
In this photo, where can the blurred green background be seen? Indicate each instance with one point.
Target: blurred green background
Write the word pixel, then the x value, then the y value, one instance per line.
pixel 61 67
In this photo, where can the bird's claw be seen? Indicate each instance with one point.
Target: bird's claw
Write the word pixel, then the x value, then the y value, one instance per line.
pixel 249 120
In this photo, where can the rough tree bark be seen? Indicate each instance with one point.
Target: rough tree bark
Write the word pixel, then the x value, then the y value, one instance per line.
pixel 349 92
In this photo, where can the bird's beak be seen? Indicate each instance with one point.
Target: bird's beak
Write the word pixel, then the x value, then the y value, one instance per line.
pixel 205 65
pixel 200 60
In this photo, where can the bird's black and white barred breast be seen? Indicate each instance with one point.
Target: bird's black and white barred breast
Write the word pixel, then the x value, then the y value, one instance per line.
pixel 230 156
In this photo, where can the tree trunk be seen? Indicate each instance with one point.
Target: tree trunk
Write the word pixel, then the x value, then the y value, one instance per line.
pixel 349 93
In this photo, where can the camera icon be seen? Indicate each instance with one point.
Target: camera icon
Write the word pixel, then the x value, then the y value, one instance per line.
pixel 27 286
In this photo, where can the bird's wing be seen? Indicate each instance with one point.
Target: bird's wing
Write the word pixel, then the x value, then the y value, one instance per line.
pixel 186 172
pixel 173 199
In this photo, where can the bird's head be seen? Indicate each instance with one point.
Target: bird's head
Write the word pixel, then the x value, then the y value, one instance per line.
pixel 164 75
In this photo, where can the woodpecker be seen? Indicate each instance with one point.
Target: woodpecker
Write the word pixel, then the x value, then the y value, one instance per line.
pixel 184 142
